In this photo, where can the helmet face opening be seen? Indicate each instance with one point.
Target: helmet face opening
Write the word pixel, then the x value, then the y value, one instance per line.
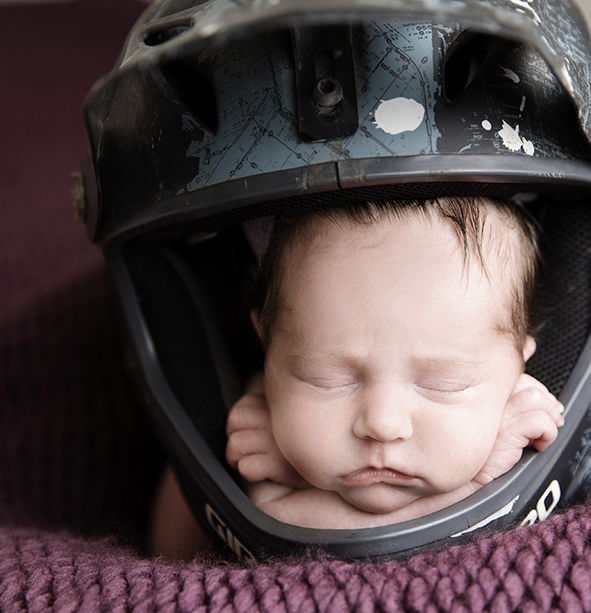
pixel 193 135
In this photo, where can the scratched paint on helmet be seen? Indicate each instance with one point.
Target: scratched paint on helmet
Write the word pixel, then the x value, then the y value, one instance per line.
pixel 513 141
pixel 258 122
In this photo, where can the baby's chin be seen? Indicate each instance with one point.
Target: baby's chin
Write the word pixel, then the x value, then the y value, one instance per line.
pixel 388 505
pixel 380 498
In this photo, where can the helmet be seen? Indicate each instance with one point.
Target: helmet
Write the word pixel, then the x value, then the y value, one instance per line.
pixel 223 111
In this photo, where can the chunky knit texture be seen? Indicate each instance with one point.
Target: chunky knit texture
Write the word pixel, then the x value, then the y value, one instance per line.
pixel 79 462
pixel 541 568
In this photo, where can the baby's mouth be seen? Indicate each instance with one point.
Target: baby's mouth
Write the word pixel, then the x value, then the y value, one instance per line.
pixel 371 475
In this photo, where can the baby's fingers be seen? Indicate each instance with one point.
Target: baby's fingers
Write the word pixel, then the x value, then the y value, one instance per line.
pixel 249 413
pixel 267 467
pixel 526 381
pixel 247 442
pixel 530 390
pixel 536 399
pixel 261 467
pixel 537 427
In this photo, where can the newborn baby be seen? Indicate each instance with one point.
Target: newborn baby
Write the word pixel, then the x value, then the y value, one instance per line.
pixel 395 337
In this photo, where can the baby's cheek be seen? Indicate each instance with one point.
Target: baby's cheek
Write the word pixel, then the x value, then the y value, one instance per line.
pixel 461 453
pixel 309 446
pixel 295 435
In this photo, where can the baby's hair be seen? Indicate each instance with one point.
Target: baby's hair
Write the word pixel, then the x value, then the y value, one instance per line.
pixel 467 216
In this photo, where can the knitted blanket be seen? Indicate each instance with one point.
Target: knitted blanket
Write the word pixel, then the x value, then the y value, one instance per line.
pixel 79 462
pixel 542 568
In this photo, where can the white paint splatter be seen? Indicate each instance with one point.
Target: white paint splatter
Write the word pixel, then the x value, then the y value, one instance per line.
pixel 486 124
pixel 522 105
pixel 528 146
pixel 466 148
pixel 510 136
pixel 513 141
pixel 511 75
pixel 399 115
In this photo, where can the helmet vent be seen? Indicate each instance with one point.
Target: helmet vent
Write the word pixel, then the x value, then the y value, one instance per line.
pixel 196 92
pixel 163 35
pixel 467 55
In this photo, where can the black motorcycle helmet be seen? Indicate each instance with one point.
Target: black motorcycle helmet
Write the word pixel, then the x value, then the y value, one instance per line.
pixel 220 111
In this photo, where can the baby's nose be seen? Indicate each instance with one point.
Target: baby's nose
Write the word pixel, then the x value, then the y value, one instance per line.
pixel 383 420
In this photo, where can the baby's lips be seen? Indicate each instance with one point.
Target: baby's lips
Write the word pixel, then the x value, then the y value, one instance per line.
pixel 370 475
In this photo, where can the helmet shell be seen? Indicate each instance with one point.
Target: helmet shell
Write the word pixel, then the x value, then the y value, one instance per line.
pixel 219 112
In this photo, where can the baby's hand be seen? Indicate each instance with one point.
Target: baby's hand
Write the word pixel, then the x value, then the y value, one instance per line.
pixel 251 447
pixel 532 415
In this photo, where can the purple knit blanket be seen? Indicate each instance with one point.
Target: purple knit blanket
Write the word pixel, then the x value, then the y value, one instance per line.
pixel 76 454
pixel 541 568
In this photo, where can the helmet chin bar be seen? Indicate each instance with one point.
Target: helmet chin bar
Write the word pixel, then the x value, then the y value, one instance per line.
pixel 190 411
pixel 221 112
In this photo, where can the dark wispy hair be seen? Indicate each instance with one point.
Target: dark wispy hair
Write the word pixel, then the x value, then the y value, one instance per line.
pixel 467 216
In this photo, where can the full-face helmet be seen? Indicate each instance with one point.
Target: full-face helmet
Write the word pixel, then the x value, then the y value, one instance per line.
pixel 224 111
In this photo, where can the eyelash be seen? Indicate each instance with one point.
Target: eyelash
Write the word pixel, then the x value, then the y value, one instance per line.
pixel 332 387
pixel 431 390
pixel 444 391
pixel 326 388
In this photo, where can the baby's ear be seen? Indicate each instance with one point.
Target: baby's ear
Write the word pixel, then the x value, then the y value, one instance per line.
pixel 529 347
pixel 254 317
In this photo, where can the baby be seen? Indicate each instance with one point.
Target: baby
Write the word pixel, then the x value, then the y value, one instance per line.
pixel 395 336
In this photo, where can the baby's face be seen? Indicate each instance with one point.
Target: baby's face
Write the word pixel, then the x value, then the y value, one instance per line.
pixel 386 373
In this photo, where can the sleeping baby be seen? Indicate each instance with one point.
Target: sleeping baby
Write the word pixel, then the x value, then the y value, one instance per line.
pixel 395 338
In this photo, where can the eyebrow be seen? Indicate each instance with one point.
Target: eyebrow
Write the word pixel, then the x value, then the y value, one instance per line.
pixel 337 358
pixel 330 358
pixel 320 354
pixel 453 360
pixel 449 359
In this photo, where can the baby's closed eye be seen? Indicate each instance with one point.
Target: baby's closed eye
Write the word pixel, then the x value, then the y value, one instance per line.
pixel 330 383
pixel 442 388
pixel 445 380
pixel 337 379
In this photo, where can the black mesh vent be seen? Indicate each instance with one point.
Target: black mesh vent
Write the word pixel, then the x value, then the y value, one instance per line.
pixel 566 310
pixel 399 191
